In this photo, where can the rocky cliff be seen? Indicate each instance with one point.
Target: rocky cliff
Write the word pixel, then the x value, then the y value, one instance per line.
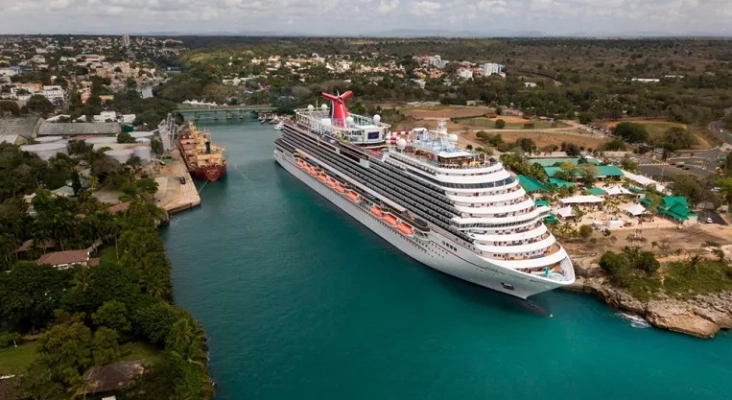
pixel 702 316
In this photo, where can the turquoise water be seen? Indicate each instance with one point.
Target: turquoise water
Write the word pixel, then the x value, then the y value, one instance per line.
pixel 302 302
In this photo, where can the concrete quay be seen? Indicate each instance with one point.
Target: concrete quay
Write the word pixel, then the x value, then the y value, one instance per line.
pixel 172 195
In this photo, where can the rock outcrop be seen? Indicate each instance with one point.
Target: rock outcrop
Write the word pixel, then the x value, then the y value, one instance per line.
pixel 702 316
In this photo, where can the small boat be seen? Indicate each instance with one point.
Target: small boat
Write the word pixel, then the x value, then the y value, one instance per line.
pixel 340 189
pixel 353 196
pixel 312 171
pixel 331 182
pixel 322 177
pixel 377 211
pixel 300 164
pixel 405 229
pixel 390 219
pixel 279 125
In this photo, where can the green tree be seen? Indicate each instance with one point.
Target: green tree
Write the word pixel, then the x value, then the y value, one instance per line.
pixel 29 294
pixel 588 174
pixel 105 348
pixel 613 263
pixel 156 146
pixel 66 349
pixel 113 314
pixel 689 187
pixel 631 132
pixel 500 124
pixel 125 137
pixel 40 104
pixel 585 231
pixel 627 164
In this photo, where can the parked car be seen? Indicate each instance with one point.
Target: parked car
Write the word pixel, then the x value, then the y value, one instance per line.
pixel 182 180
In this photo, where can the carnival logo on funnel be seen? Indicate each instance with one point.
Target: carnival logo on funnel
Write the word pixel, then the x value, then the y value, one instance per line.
pixel 338 109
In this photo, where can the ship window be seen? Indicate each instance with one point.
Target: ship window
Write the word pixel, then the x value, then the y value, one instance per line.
pixel 507 286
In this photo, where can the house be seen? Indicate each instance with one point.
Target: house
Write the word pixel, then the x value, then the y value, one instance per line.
pixel 69 258
pixel 530 84
pixel 113 377
pixel 676 208
pixel 30 243
pixel 465 73
pixel 75 129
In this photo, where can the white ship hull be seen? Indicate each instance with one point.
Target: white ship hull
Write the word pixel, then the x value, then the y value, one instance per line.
pixel 433 252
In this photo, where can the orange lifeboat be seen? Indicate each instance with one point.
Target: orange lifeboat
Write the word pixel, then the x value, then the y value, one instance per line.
pixel 331 182
pixel 377 211
pixel 353 196
pixel 312 171
pixel 300 164
pixel 390 219
pixel 322 177
pixel 340 189
pixel 405 229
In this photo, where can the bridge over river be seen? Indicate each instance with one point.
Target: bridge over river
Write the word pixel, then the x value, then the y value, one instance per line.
pixel 222 112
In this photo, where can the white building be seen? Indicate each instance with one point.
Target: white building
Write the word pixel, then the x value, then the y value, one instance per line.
pixel 126 40
pixel 55 94
pixel 7 72
pixel 491 69
pixel 530 84
pixel 465 73
pixel 105 116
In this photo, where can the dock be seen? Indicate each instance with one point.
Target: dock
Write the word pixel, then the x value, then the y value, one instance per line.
pixel 172 195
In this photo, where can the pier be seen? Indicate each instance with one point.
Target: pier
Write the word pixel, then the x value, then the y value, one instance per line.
pixel 216 113
pixel 172 195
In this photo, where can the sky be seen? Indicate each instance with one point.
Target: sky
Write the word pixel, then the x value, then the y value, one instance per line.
pixel 368 17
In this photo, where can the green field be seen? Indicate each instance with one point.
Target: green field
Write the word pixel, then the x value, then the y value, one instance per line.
pixel 107 254
pixel 490 124
pixel 136 351
pixel 16 359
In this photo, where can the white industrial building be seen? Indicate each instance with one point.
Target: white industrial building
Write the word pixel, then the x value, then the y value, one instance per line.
pixel 491 69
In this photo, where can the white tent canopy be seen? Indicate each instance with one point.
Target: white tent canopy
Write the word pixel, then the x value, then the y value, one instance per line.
pixel 581 200
pixel 644 181
pixel 636 210
pixel 616 190
pixel 566 212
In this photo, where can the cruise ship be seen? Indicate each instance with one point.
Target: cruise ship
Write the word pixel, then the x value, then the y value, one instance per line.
pixel 456 211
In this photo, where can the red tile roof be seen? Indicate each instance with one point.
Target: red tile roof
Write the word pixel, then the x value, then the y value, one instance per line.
pixel 65 257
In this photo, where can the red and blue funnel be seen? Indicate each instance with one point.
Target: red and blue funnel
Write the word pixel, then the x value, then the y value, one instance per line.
pixel 338 109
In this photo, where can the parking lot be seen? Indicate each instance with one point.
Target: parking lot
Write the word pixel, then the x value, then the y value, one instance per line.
pixel 714 216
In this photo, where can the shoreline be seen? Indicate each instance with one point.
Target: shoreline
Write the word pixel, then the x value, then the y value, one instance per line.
pixel 702 316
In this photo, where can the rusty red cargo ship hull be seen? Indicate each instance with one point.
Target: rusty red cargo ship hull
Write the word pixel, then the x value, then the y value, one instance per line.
pixel 204 159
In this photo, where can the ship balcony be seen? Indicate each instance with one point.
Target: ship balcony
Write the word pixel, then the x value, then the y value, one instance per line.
pixel 561 271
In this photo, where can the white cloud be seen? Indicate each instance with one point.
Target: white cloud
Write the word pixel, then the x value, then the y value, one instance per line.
pixel 424 8
pixel 385 7
pixel 344 17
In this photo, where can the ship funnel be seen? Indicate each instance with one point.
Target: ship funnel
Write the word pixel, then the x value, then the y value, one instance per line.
pixel 208 147
pixel 338 109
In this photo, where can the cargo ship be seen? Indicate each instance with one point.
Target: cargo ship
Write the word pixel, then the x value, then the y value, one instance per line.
pixel 204 159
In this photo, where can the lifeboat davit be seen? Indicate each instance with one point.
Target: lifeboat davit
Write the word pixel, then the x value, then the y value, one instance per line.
pixel 390 219
pixel 405 229
pixel 353 196
pixel 340 189
pixel 331 182
pixel 377 211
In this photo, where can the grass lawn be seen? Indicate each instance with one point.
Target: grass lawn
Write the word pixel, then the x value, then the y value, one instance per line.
pixel 107 254
pixel 136 351
pixel 15 359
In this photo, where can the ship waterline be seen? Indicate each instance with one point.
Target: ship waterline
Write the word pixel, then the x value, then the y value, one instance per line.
pixel 454 211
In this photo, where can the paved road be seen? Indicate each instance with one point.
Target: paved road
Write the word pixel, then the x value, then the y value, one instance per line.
pixel 718 127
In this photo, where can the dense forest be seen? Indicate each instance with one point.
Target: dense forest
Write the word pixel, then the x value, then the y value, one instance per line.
pixel 90 316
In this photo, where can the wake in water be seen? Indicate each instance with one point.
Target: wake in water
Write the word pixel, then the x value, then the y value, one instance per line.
pixel 634 320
